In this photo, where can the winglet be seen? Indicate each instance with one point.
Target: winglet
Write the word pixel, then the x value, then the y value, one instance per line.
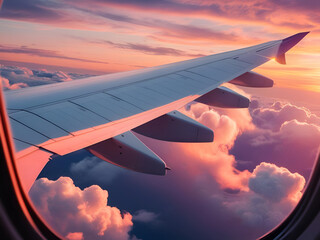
pixel 281 58
pixel 287 44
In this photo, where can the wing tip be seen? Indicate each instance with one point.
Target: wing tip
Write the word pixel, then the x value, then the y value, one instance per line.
pixel 287 44
pixel 294 39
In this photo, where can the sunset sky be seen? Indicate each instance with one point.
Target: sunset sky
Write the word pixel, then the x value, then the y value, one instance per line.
pixel 213 186
pixel 109 36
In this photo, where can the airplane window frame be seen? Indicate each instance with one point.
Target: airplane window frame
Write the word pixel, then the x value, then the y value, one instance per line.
pixel 18 218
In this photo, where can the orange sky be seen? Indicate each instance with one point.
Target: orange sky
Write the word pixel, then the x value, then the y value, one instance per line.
pixel 107 36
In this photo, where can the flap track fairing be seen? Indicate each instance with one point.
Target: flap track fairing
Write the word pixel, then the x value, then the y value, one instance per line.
pixel 176 127
pixel 225 98
pixel 252 79
pixel 127 151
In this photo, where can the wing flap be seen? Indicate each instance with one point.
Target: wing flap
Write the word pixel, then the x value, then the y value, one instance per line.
pixel 70 117
pixel 40 124
pixel 26 134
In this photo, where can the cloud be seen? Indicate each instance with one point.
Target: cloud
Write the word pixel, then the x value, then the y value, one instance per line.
pixel 296 4
pixel 164 30
pixel 93 169
pixel 51 12
pixel 273 192
pixel 75 236
pixel 18 77
pixel 20 9
pixel 261 198
pixel 236 135
pixel 76 213
pixel 7 86
pixel 150 49
pixel 144 216
pixel 66 14
pixel 284 134
pixel 215 156
pixel 254 200
pixel 42 53
pixel 276 183
pixel 273 117
pixel 281 133
pixel 268 12
pixel 206 192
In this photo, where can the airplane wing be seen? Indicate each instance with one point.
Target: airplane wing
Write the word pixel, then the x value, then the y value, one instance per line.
pixel 100 113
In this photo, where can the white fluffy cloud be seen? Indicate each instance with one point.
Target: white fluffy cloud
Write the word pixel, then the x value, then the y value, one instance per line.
pixel 273 192
pixel 79 214
pixel 276 183
pixel 215 156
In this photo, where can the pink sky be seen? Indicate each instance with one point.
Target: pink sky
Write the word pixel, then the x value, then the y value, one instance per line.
pixel 110 36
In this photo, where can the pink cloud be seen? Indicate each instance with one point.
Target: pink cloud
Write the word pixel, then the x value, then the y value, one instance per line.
pixel 76 213
pixel 274 116
pixel 148 49
pixel 273 13
pixel 215 156
pixel 42 53
pixel 285 134
pixel 6 84
pixel 229 125
pixel 267 194
pixel 75 236
pixel 259 199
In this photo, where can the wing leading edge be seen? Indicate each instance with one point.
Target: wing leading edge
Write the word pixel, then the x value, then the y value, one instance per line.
pixel 98 113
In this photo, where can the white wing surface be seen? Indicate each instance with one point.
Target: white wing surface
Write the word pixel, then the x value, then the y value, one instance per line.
pixel 99 113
